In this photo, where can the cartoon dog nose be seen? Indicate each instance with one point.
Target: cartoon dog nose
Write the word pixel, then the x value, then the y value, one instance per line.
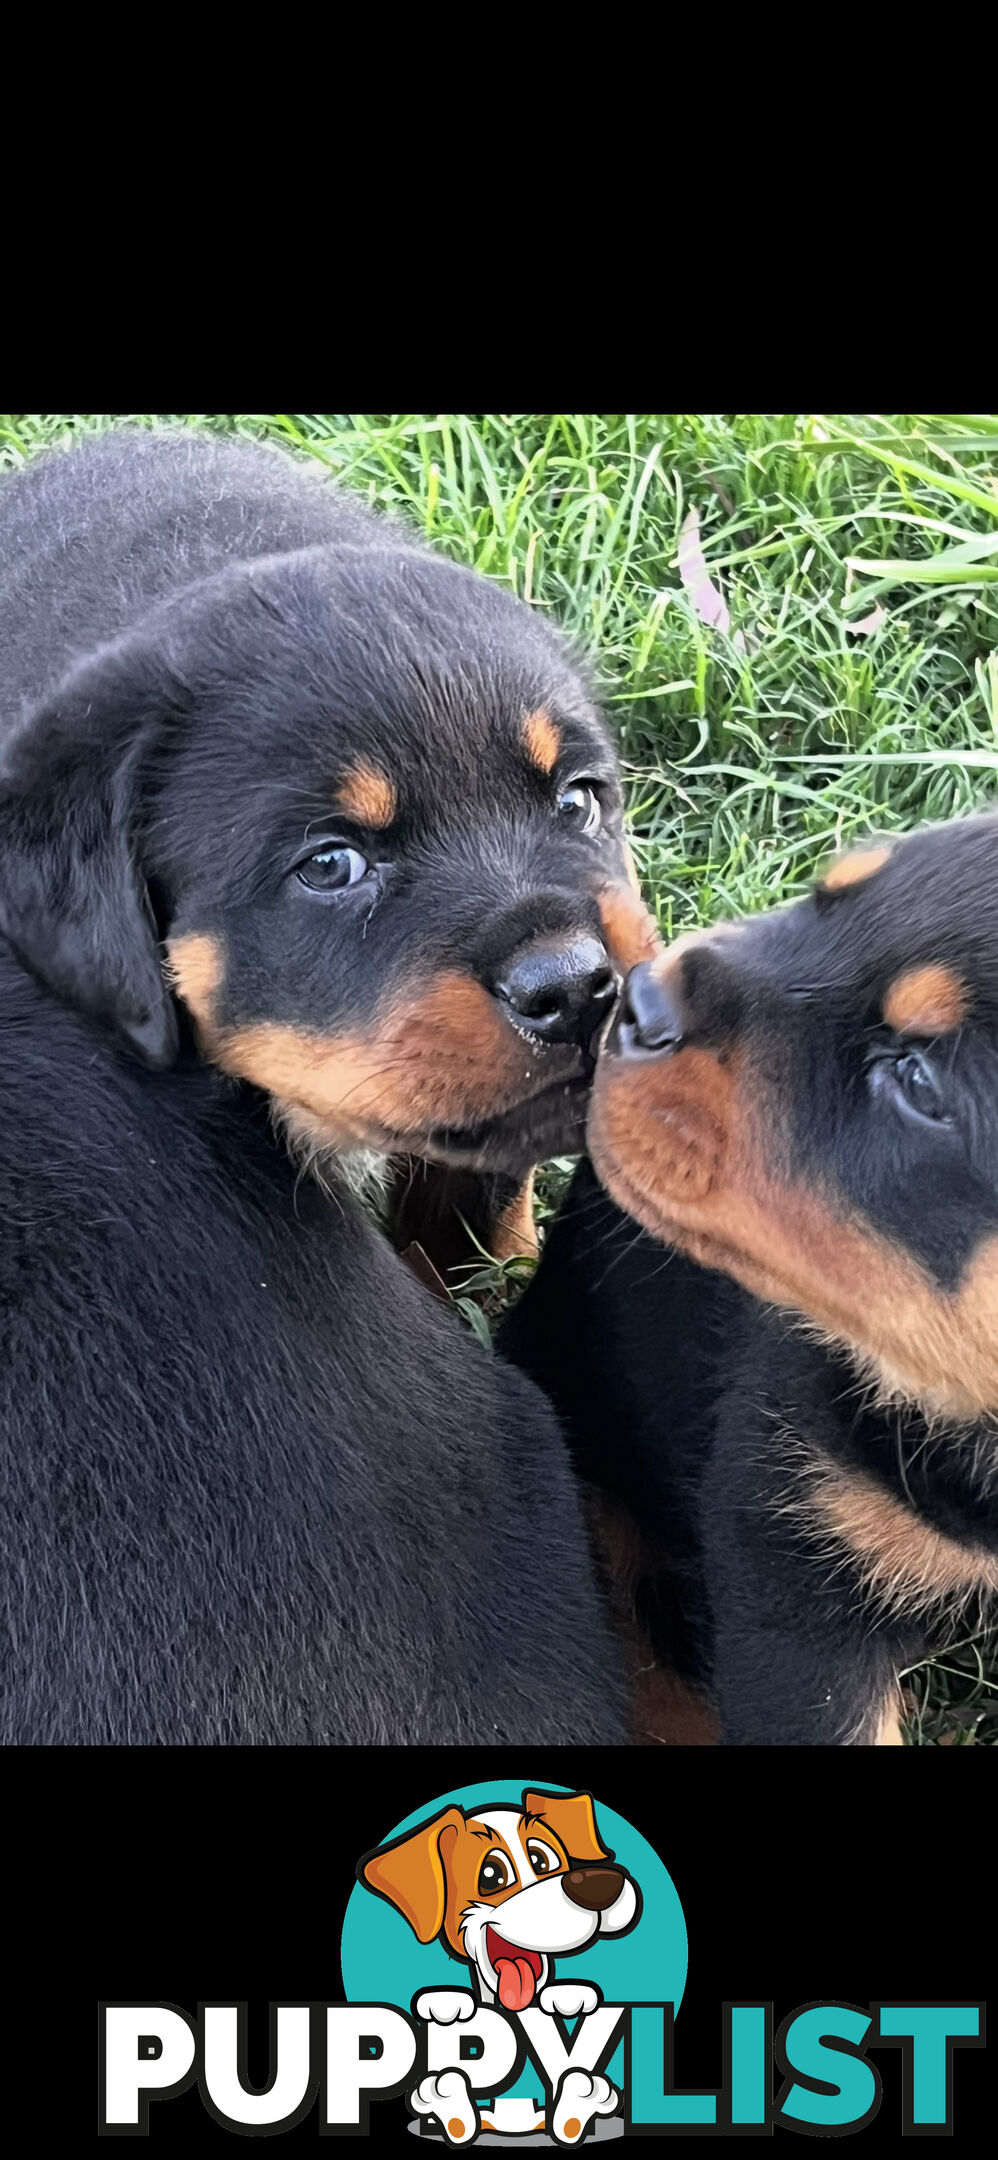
pixel 651 1016
pixel 594 1888
pixel 559 989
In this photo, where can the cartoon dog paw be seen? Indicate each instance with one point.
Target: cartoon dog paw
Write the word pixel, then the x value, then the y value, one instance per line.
pixel 581 2095
pixel 445 2006
pixel 569 1998
pixel 448 2096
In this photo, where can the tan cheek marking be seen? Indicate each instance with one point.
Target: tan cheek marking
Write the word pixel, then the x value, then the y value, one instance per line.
pixel 926 1001
pixel 541 740
pixel 444 1058
pixel 685 1145
pixel 670 1133
pixel 630 933
pixel 366 795
pixel 854 869
pixel 196 965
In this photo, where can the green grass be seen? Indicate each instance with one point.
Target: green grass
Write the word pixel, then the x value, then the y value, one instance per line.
pixel 749 755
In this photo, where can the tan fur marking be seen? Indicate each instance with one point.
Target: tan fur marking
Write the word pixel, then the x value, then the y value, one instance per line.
pixel 630 933
pixel 444 1056
pixel 888 1733
pixel 926 1001
pixel 196 965
pixel 903 1563
pixel 367 795
pixel 854 868
pixel 515 1233
pixel 686 1143
pixel 542 740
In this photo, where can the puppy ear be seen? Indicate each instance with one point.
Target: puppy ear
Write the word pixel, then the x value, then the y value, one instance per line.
pixel 573 1820
pixel 410 1874
pixel 73 898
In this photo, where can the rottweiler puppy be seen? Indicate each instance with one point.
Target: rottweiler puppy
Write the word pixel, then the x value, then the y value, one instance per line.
pixel 791 1415
pixel 310 854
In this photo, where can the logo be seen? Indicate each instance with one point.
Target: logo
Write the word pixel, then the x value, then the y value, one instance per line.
pixel 514 1959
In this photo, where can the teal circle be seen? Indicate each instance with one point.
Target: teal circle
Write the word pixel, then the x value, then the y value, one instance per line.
pixel 382 1961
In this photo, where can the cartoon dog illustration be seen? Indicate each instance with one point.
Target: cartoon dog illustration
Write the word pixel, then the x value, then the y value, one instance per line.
pixel 508 1889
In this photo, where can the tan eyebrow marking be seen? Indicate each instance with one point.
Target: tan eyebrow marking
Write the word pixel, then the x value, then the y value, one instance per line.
pixel 854 869
pixel 926 1001
pixel 367 795
pixel 542 739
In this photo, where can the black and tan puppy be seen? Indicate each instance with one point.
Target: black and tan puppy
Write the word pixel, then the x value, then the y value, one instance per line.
pixel 793 1416
pixel 297 819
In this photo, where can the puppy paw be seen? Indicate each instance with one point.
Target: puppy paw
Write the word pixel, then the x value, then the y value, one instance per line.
pixel 448 2096
pixel 569 1998
pixel 445 2006
pixel 581 2095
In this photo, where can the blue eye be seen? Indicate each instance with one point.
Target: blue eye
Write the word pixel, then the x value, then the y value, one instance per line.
pixel 332 869
pixel 580 802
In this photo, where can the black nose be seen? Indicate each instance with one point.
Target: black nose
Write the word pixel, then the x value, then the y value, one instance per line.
pixel 594 1888
pixel 558 988
pixel 651 1015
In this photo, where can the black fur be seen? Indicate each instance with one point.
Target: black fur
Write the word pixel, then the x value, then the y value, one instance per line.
pixel 698 1403
pixel 257 1484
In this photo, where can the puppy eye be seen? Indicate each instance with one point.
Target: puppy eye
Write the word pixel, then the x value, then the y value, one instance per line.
pixel 494 1874
pixel 907 1078
pixel 918 1085
pixel 580 803
pixel 333 869
pixel 541 1858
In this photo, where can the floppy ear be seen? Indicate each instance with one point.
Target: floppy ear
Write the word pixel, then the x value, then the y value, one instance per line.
pixel 410 1874
pixel 73 899
pixel 572 1819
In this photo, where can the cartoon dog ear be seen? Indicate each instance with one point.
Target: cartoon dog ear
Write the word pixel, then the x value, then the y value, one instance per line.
pixel 410 1873
pixel 73 898
pixel 573 1821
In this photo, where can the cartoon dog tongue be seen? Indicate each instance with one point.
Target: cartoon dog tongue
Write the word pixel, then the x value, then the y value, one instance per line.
pixel 517 1972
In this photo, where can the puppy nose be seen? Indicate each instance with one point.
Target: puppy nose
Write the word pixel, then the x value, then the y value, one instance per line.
pixel 560 989
pixel 651 1015
pixel 594 1888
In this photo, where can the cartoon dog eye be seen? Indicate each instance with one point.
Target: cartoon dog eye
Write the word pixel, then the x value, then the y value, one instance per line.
pixel 496 1873
pixel 541 1858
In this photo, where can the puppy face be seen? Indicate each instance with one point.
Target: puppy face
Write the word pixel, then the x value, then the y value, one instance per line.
pixel 385 848
pixel 809 1101
pixel 508 1888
